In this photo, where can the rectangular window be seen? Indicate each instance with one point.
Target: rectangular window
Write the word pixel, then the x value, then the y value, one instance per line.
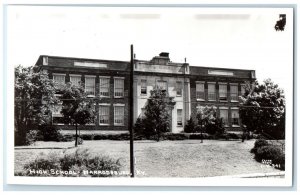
pixel 234 93
pixel 59 78
pixel 162 85
pixel 200 95
pixel 178 88
pixel 75 79
pixel 118 115
pixel 179 117
pixel 211 91
pixel 119 87
pixel 57 117
pixel 223 92
pixel 143 87
pixel 224 116
pixel 104 115
pixel 90 85
pixel 235 118
pixel 143 110
pixel 104 87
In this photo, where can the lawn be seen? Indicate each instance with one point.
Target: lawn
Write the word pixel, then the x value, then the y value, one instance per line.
pixel 186 158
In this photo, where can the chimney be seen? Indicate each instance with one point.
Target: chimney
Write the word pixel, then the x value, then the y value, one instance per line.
pixel 164 54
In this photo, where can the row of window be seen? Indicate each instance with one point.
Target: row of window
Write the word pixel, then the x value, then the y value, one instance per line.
pixel 162 85
pixel 90 84
pixel 104 115
pixel 210 94
pixel 224 114
pixel 200 90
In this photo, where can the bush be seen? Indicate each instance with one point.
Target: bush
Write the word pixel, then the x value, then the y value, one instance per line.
pixel 259 143
pixel 272 153
pixel 49 133
pixel 87 136
pixel 81 162
pixel 174 136
pixel 190 126
pixel 199 136
pixel 31 137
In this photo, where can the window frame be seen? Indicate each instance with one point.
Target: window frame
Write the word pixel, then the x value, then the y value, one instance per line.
pixel 85 85
pixel 75 75
pixel 101 86
pixel 226 124
pixel 123 110
pixel 59 74
pixel 221 85
pixel 203 92
pixel 123 87
pixel 179 117
pixel 143 81
pixel 214 91
pixel 179 88
pixel 108 107
pixel 232 119
pixel 236 93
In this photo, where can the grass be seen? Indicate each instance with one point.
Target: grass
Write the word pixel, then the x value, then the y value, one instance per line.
pixel 187 158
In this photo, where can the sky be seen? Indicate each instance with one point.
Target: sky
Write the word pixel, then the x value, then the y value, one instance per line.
pixel 242 38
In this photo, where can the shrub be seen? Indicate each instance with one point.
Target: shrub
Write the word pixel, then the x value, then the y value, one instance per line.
pixel 273 153
pixel 234 136
pixel 174 136
pixel 49 133
pixel 81 161
pixel 190 126
pixel 31 137
pixel 87 136
pixel 259 143
pixel 199 136
pixel 216 127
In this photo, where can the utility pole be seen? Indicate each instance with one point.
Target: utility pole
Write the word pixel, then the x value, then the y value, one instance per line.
pixel 130 126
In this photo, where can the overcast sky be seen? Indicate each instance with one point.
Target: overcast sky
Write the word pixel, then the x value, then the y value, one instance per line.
pixel 228 38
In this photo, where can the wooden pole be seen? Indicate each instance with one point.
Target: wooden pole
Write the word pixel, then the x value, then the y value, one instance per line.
pixel 130 126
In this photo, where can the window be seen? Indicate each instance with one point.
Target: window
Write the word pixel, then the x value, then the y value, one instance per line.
pixel 143 87
pixel 242 89
pixel 234 93
pixel 45 60
pixel 104 115
pixel 75 79
pixel 162 85
pixel 143 110
pixel 178 88
pixel 119 87
pixel 211 91
pixel 59 78
pixel 90 85
pixel 104 87
pixel 179 117
pixel 118 115
pixel 223 92
pixel 235 117
pixel 200 95
pixel 57 117
pixel 224 115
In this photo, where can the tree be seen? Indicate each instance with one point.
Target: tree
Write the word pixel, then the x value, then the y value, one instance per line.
pixel 34 96
pixel 205 116
pixel 190 126
pixel 77 109
pixel 263 109
pixel 157 117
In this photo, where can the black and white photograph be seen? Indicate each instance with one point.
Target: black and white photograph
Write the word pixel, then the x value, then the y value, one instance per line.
pixel 162 95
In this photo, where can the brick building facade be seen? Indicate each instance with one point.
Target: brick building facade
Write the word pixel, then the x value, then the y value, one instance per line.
pixel 107 82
